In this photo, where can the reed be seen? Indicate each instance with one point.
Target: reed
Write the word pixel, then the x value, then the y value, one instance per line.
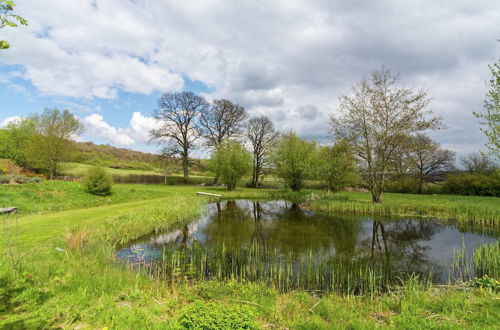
pixel 282 271
pixel 487 260
pixel 465 210
pixel 484 261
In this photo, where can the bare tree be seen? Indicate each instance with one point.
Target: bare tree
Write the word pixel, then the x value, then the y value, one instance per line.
pixel 376 119
pixel 179 114
pixel 223 121
pixel 262 135
pixel 427 158
pixel 478 163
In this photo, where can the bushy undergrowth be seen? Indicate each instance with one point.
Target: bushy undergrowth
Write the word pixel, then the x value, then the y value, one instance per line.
pixel 97 181
pixel 19 179
pixel 473 184
pixel 209 315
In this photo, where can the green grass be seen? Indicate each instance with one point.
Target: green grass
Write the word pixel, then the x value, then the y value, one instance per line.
pixel 471 210
pixel 84 287
pixel 79 169
pixel 50 196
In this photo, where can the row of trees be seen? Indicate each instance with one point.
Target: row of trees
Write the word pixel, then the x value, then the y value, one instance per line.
pixel 187 117
pixel 379 135
pixel 293 159
pixel 380 125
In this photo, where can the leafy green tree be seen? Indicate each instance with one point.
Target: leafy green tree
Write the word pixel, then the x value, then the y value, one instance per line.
pixel 97 181
pixel 294 160
pixel 55 129
pixel 491 119
pixel 16 143
pixel 230 162
pixel 337 166
pixel 8 18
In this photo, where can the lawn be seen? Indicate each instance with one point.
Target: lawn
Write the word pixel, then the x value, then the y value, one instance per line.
pixel 79 169
pixel 57 268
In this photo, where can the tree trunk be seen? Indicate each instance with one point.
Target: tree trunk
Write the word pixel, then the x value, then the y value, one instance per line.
pixel 420 184
pixel 254 172
pixel 376 198
pixel 185 163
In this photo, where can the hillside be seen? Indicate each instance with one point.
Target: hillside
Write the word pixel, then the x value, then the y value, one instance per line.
pixel 106 155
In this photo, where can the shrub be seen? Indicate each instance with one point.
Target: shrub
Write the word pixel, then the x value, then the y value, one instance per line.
pixel 230 162
pixel 208 315
pixel 473 184
pixel 20 179
pixel 295 160
pixel 8 166
pixel 97 181
pixel 336 166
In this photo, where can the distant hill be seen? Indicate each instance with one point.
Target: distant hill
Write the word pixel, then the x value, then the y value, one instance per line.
pixel 126 159
pixel 106 155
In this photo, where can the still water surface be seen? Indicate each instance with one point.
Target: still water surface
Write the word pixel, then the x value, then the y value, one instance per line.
pixel 403 246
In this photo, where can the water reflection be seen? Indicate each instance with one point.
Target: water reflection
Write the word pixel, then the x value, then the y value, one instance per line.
pixel 398 247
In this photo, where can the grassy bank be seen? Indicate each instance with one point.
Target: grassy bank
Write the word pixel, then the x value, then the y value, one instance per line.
pixel 51 196
pixel 57 270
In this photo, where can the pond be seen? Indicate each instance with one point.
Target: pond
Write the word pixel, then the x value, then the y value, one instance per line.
pixel 280 243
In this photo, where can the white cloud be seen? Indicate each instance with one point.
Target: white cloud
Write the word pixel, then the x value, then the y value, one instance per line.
pixel 97 127
pixel 8 121
pixel 278 58
pixel 141 126
pixel 137 132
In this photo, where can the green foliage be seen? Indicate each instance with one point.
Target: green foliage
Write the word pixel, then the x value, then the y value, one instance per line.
pixel 487 260
pixel 209 315
pixel 491 119
pixel 17 143
pixel 295 160
pixel 55 128
pixel 337 166
pixel 8 18
pixel 97 181
pixel 485 282
pixel 7 166
pixel 230 162
pixel 473 184
pixel 20 179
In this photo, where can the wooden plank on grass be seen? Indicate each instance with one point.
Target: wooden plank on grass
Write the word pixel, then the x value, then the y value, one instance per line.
pixel 8 210
pixel 208 194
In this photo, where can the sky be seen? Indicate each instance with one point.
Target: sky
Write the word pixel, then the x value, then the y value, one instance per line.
pixel 108 61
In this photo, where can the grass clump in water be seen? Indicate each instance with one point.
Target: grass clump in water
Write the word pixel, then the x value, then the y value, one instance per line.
pixel 487 260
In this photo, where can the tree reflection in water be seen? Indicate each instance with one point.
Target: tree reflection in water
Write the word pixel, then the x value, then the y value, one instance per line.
pixel 284 233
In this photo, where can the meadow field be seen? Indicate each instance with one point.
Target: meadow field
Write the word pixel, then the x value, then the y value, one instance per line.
pixel 58 270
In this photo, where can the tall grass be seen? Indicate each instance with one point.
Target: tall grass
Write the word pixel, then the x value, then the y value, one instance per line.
pixel 476 211
pixel 487 260
pixel 484 261
pixel 259 264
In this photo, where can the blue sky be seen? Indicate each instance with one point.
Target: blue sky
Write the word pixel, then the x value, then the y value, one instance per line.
pixel 109 60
